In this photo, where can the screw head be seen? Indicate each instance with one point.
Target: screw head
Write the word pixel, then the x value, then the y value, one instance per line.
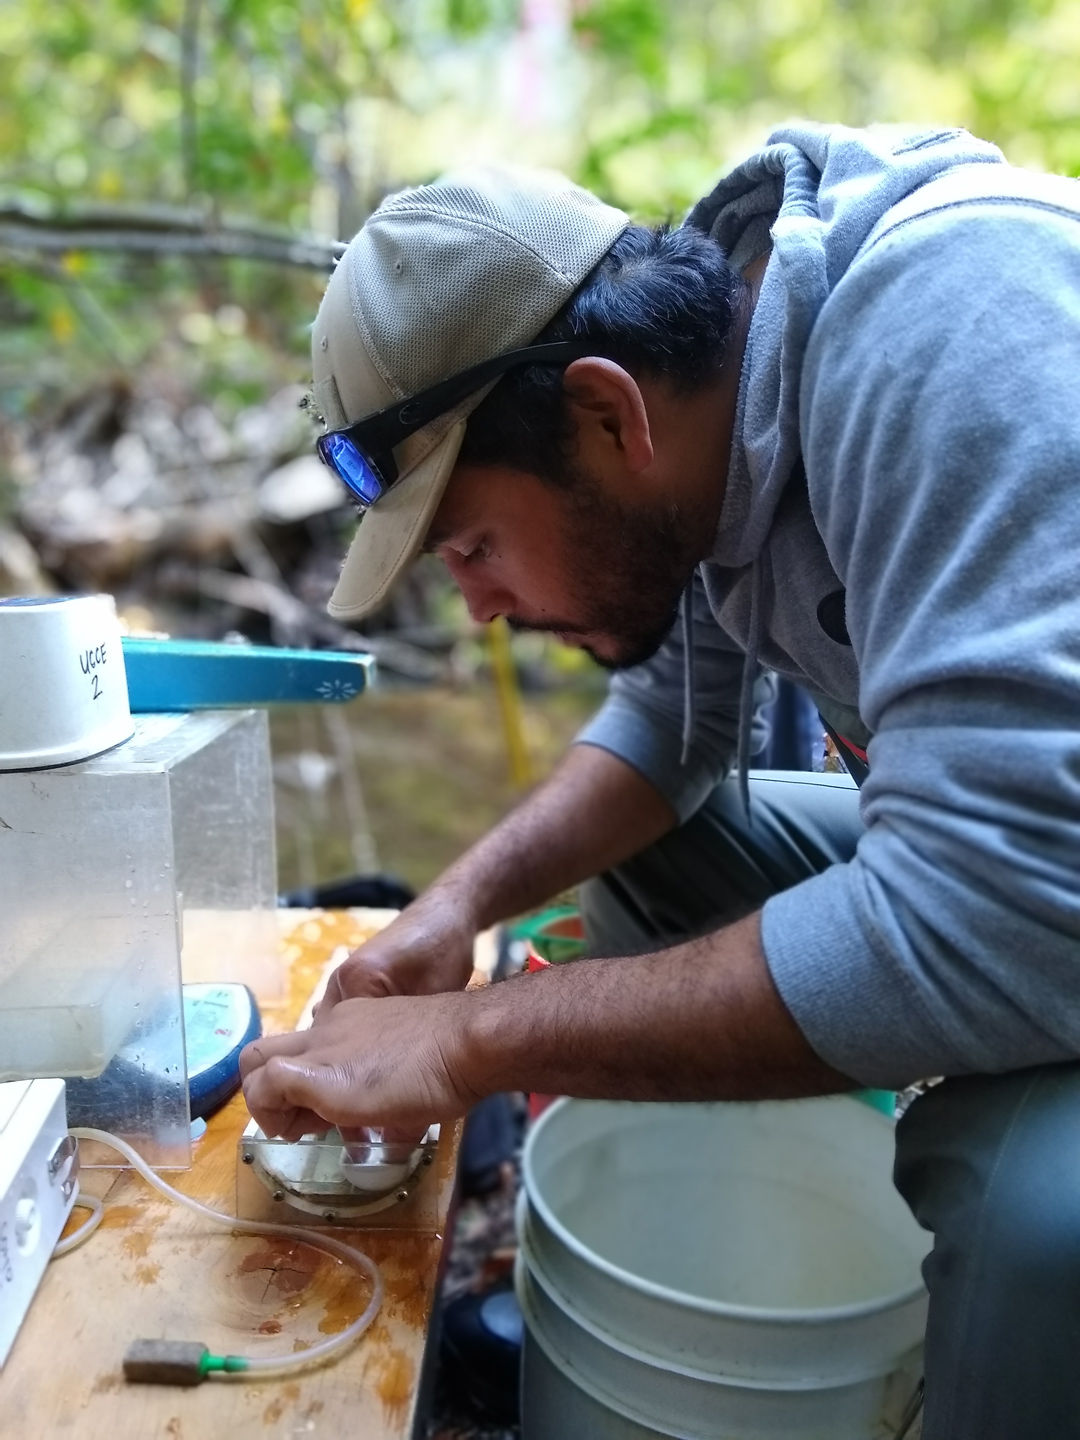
pixel 402 1195
pixel 278 1195
pixel 248 1158
pixel 329 1214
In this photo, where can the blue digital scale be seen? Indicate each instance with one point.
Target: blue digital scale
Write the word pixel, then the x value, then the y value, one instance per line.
pixel 219 1020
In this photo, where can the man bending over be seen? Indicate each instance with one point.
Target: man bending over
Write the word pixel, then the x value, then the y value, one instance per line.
pixel 829 428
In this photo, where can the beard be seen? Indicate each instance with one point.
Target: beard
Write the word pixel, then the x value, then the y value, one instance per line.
pixel 627 568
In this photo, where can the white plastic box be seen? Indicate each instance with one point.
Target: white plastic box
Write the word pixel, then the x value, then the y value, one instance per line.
pixel 39 1167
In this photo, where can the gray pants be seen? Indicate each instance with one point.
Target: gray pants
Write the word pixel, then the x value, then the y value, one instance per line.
pixel 990 1164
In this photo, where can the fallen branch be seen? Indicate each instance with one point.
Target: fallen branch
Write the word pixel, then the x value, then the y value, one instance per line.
pixel 157 230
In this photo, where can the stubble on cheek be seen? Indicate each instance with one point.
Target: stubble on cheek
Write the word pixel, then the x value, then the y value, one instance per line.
pixel 629 569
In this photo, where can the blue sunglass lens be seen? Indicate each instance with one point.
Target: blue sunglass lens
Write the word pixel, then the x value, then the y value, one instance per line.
pixel 343 457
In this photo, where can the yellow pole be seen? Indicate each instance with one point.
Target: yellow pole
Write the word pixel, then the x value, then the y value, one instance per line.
pixel 506 687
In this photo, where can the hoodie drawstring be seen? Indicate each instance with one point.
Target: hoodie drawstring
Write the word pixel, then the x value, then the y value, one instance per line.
pixel 689 716
pixel 746 693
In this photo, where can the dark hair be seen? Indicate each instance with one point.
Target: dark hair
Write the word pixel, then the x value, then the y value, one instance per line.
pixel 661 303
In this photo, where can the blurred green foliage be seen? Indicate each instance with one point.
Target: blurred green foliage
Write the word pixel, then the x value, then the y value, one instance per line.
pixel 303 114
pixel 696 83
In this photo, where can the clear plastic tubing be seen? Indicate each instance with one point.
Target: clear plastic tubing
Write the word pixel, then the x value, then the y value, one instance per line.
pixel 316 1354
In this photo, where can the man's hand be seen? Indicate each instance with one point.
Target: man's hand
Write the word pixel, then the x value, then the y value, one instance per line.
pixel 426 950
pixel 395 1062
pixel 592 813
pixel 702 1021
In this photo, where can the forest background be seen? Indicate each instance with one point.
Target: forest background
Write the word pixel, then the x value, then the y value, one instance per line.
pixel 172 173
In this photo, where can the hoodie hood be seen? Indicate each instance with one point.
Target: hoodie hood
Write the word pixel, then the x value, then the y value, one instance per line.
pixel 810 200
pixel 814 194
pixel 812 197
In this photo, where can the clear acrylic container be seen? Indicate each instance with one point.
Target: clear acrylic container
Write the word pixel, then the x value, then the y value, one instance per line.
pixel 98 863
pixel 226 860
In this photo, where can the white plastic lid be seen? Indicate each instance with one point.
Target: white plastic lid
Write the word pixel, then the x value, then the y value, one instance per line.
pixel 63 688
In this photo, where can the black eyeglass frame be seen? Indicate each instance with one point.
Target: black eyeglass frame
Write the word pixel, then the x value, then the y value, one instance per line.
pixel 375 436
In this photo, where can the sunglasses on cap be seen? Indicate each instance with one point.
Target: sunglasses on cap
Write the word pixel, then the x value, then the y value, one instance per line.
pixel 362 455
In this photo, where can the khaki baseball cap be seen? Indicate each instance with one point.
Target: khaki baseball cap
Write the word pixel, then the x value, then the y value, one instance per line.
pixel 441 278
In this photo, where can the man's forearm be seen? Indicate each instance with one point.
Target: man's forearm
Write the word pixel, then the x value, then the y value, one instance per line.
pixel 592 813
pixel 701 1021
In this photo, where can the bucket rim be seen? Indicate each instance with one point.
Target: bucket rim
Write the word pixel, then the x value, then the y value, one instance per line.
pixel 763 1314
pixel 529 1271
pixel 537 1333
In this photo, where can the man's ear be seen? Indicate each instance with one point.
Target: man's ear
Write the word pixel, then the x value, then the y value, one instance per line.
pixel 611 422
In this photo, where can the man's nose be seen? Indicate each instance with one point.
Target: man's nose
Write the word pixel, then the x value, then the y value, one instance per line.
pixel 485 598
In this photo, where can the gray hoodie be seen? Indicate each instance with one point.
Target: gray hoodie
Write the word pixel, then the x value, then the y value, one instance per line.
pixel 900 534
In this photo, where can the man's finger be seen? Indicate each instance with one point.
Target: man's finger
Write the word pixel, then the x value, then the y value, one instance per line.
pixel 382 1135
pixel 295 1124
pixel 286 1083
pixel 258 1052
pixel 289 1122
pixel 331 995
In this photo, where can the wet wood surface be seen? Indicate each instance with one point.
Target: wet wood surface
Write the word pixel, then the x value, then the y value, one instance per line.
pixel 156 1270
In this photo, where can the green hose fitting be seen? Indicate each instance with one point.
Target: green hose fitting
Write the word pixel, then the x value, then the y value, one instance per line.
pixel 229 1363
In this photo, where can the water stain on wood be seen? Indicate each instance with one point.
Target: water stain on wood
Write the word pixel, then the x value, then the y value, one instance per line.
pixel 341 1311
pixel 408 1264
pixel 75 1221
pixel 117 1216
pixel 410 1300
pixel 280 1270
pixel 147 1274
pixel 287 1395
pixel 137 1244
pixel 394 1384
pixel 344 1298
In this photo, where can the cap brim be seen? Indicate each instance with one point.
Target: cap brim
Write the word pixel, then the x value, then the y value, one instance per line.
pixel 393 530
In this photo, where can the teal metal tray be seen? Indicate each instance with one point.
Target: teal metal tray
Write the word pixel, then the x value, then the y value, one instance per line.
pixel 203 675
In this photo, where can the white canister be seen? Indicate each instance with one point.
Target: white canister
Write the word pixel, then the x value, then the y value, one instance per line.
pixel 63 690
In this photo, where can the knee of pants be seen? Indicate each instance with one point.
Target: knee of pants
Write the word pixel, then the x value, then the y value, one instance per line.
pixel 996 1175
pixel 1032 1231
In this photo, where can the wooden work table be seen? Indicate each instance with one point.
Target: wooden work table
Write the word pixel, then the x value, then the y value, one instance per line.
pixel 154 1269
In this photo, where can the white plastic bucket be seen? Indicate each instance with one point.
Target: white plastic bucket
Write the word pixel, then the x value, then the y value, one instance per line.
pixel 744 1271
